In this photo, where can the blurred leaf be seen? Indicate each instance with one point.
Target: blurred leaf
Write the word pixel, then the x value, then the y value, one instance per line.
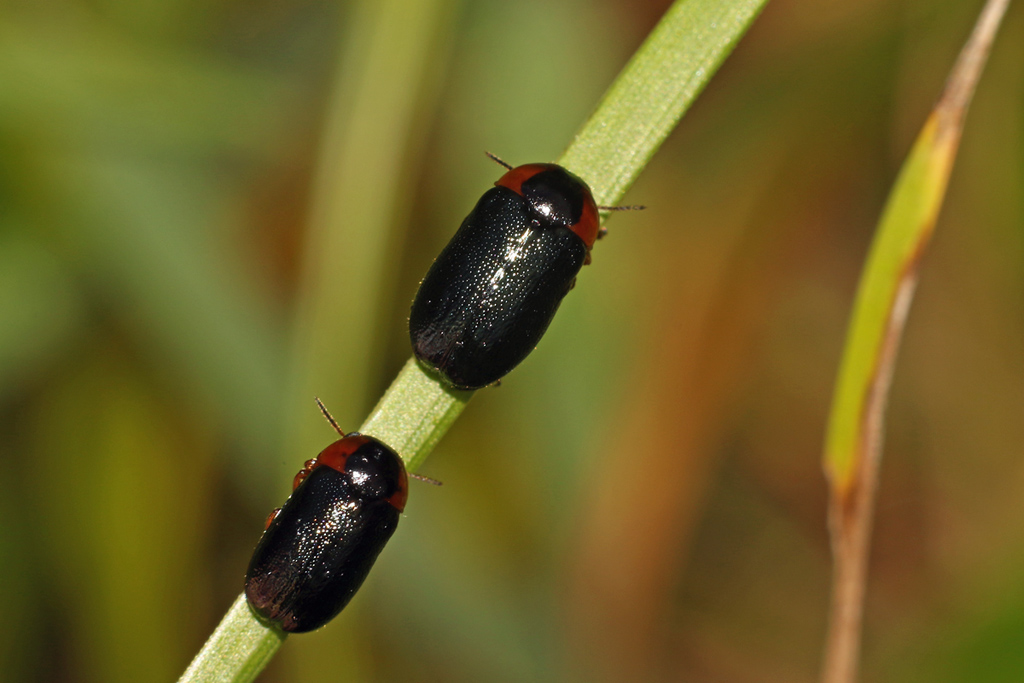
pixel 40 309
pixel 202 320
pixel 372 131
pixel 82 84
pixel 392 57
pixel 129 575
pixel 982 647
pixel 491 631
pixel 23 628
pixel 853 443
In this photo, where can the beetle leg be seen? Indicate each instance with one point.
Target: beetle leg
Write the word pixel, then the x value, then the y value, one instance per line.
pixel 300 477
pixel 271 517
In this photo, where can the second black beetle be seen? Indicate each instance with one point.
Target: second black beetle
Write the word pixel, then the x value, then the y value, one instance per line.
pixel 491 294
pixel 319 547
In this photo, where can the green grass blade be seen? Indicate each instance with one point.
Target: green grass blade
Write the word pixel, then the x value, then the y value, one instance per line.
pixel 638 112
pixel 653 92
pixel 238 649
pixel 853 441
pixel 414 414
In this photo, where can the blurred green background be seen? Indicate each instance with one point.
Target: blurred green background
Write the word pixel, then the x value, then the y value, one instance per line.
pixel 212 211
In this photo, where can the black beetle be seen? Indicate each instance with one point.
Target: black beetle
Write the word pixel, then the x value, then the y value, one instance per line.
pixel 491 294
pixel 318 548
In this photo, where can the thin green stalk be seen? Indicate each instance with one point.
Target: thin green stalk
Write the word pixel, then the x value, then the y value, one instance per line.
pixel 654 90
pixel 637 113
pixel 238 649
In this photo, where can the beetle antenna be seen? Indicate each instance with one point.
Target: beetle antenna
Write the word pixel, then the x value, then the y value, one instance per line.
pixel 330 419
pixel 635 207
pixel 435 482
pixel 498 160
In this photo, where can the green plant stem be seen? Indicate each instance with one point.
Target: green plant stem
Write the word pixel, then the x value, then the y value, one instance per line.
pixel 637 113
pixel 654 90
pixel 414 414
pixel 238 649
